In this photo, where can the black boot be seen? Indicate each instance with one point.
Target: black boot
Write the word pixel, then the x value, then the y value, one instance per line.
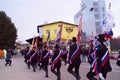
pixel 58 77
pixel 34 68
pixel 46 75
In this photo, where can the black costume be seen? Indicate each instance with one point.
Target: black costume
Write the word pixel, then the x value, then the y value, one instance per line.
pixel 74 59
pixel 29 54
pixel 118 60
pixel 106 67
pixel 34 60
pixel 56 62
pixel 64 56
pixel 45 61
pixel 101 59
pixel 91 56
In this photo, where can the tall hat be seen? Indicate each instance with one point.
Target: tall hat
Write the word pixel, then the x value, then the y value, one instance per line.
pixel 101 38
pixel 56 46
pixel 74 39
pixel 45 46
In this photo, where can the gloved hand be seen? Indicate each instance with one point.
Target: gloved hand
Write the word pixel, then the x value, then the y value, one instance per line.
pixel 70 62
pixel 52 66
pixel 101 76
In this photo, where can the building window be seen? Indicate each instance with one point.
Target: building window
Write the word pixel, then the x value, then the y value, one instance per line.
pixel 97 24
pixel 103 9
pixel 95 3
pixel 96 9
pixel 47 31
pixel 98 30
pixel 103 15
pixel 55 31
pixel 96 16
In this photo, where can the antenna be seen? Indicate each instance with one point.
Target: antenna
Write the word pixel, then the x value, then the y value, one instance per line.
pixel 109 6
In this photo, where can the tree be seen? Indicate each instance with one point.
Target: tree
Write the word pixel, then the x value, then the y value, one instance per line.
pixel 115 44
pixel 8 32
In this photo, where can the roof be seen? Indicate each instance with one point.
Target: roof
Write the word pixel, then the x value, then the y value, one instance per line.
pixel 31 39
pixel 55 23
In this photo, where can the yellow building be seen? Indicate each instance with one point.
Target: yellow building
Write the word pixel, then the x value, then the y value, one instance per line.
pixel 68 30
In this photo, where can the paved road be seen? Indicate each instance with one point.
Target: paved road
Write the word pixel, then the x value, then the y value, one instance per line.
pixel 19 71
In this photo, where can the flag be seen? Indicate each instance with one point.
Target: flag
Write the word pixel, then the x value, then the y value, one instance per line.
pixel 33 41
pixel 92 37
pixel 48 38
pixel 107 24
pixel 36 42
pixel 40 32
pixel 79 30
pixel 57 39
pixel 108 21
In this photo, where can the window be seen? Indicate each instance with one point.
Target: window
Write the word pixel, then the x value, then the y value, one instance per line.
pixel 97 24
pixel 55 31
pixel 103 15
pixel 98 30
pixel 96 9
pixel 95 3
pixel 96 16
pixel 103 9
pixel 47 31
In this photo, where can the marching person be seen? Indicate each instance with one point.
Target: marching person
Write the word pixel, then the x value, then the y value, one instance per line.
pixel 8 58
pixel 56 62
pixel 74 59
pixel 45 60
pixel 65 53
pixel 102 54
pixel 29 54
pixel 34 59
pixel 25 55
pixel 91 60
pixel 118 59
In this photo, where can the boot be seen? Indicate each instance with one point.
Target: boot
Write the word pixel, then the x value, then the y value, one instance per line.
pixel 46 74
pixel 34 69
pixel 58 77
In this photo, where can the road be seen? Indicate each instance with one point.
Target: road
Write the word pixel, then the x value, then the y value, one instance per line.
pixel 19 71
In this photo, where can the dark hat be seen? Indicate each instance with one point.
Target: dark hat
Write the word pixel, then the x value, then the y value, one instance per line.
pixel 101 38
pixel 45 46
pixel 74 39
pixel 56 46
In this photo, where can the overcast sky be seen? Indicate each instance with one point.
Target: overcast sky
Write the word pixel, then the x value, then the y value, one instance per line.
pixel 28 14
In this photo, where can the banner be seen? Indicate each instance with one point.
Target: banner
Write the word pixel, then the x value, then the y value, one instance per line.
pixel 48 38
pixel 40 32
pixel 79 30
pixel 57 39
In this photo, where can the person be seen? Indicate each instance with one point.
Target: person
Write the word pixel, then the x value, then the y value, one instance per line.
pixel 118 59
pixel 91 58
pixel 45 60
pixel 83 54
pixel 25 55
pixel 65 53
pixel 8 58
pixel 56 62
pixel 102 55
pixel 34 59
pixel 29 54
pixel 74 59
pixel 4 52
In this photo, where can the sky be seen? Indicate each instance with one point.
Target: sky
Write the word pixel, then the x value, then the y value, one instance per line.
pixel 28 14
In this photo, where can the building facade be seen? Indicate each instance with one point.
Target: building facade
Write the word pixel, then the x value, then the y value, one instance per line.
pixel 68 30
pixel 92 12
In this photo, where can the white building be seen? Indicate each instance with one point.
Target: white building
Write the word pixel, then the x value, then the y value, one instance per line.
pixel 93 12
